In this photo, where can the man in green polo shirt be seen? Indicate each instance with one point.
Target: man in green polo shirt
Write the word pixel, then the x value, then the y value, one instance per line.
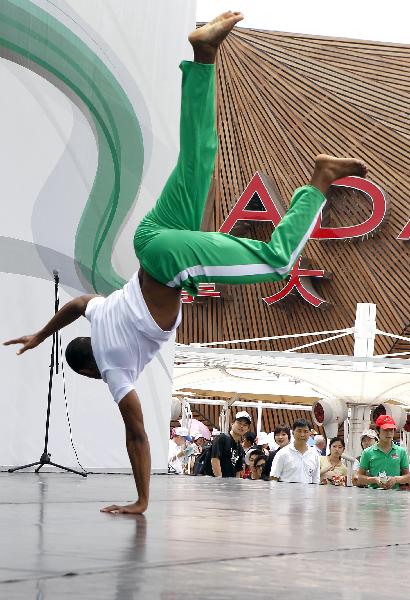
pixel 385 464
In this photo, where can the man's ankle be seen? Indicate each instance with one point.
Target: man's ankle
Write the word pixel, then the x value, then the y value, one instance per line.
pixel 205 55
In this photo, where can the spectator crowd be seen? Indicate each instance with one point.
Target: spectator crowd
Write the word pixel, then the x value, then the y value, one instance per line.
pixel 292 455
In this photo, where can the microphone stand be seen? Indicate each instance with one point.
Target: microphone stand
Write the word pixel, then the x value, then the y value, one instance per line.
pixel 54 365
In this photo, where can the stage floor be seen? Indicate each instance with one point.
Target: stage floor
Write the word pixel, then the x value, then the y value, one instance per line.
pixel 201 538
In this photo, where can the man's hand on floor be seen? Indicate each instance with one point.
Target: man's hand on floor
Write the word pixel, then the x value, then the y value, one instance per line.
pixel 129 509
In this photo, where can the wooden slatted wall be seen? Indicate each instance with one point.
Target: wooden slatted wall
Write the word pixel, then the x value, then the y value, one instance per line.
pixel 282 99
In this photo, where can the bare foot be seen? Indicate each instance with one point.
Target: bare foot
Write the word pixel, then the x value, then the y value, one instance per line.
pixel 206 39
pixel 329 168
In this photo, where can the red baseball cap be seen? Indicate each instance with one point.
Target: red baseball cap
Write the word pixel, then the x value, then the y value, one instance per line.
pixel 385 422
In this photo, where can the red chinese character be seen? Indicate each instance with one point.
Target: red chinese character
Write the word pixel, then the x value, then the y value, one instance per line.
pixel 297 275
pixel 205 290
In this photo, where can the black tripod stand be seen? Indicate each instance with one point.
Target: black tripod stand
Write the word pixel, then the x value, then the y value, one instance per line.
pixel 54 365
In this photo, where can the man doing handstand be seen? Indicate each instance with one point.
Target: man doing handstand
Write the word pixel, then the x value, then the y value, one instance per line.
pixel 129 326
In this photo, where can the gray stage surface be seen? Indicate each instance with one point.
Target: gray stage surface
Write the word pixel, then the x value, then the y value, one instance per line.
pixel 201 538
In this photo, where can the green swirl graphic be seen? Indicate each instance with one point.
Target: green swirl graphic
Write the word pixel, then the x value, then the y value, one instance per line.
pixel 33 38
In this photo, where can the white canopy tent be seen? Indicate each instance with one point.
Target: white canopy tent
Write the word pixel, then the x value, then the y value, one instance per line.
pixel 279 376
pixel 361 381
pixel 249 383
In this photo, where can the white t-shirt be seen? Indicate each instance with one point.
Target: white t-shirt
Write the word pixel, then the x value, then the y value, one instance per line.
pixel 292 466
pixel 124 336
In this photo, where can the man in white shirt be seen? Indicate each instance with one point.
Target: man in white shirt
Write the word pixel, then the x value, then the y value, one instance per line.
pixel 129 326
pixel 297 462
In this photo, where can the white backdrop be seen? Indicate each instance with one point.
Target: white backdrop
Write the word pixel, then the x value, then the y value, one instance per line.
pixel 49 157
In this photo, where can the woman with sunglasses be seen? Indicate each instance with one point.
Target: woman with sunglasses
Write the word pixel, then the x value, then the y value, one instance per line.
pixel 258 466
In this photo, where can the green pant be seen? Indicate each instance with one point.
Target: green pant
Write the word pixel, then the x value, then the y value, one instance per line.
pixel 168 242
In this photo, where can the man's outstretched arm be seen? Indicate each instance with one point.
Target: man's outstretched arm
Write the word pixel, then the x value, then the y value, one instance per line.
pixel 69 313
pixel 138 451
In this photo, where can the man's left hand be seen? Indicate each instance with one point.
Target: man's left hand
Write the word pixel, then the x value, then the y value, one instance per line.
pixel 129 509
pixel 28 341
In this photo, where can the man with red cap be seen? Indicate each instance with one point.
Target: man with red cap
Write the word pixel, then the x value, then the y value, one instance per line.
pixel 385 464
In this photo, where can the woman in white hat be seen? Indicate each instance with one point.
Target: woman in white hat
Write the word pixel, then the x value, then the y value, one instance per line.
pixel 367 439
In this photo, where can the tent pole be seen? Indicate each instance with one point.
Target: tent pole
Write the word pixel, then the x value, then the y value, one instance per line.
pixel 364 336
pixel 259 424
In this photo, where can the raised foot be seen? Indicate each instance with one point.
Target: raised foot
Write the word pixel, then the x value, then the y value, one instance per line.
pixel 206 39
pixel 331 167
